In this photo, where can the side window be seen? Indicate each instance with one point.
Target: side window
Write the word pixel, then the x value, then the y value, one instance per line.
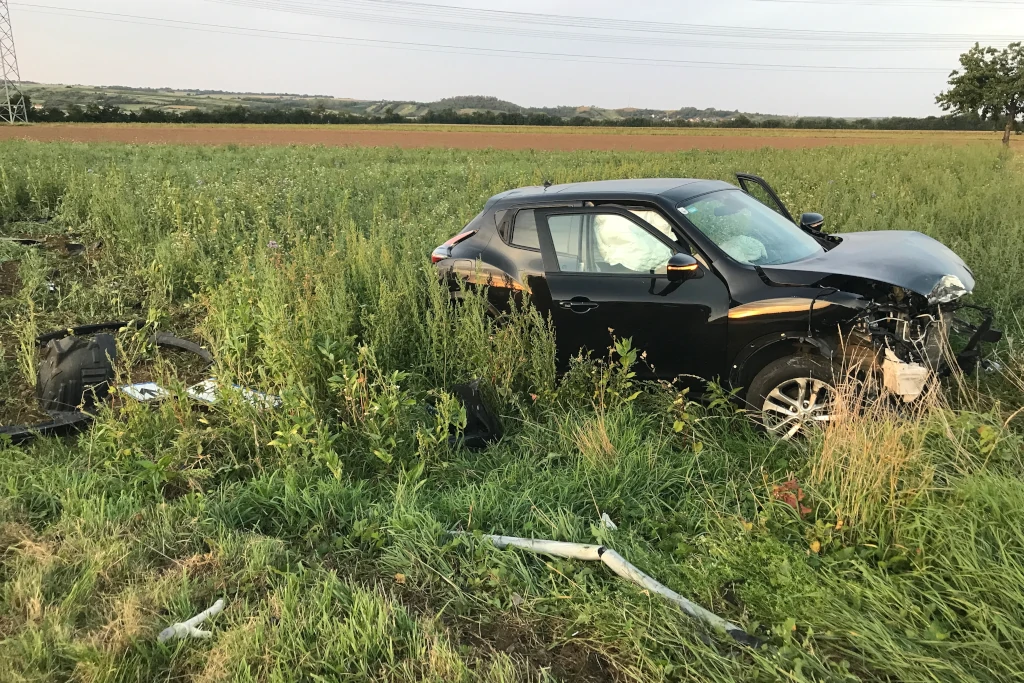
pixel 524 233
pixel 567 236
pixel 606 243
pixel 656 220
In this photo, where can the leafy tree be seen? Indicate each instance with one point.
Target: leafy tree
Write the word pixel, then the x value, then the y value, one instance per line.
pixel 990 84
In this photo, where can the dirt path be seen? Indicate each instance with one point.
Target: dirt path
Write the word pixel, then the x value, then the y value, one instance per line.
pixel 418 137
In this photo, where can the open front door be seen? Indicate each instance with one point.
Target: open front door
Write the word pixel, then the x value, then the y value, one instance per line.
pixel 760 190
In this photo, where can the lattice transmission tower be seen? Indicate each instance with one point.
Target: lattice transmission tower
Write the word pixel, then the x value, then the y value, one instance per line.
pixel 12 104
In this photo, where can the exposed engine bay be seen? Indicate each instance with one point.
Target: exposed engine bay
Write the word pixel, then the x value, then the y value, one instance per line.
pixel 910 337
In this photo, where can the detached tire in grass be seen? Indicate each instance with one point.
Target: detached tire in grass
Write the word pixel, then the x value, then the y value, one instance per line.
pixel 793 395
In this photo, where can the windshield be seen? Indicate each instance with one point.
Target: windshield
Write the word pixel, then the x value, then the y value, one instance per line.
pixel 749 231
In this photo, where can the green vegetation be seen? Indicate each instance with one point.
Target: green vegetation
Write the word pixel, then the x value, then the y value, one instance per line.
pixel 173 101
pixel 323 523
pixel 991 85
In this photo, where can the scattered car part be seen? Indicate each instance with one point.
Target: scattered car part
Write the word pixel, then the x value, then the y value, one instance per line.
pixel 906 380
pixel 75 372
pixel 187 629
pixel 144 392
pixel 62 424
pixel 170 341
pixel 23 241
pixel 205 392
pixel 78 367
pixel 482 427
pixel 72 248
pixel 619 565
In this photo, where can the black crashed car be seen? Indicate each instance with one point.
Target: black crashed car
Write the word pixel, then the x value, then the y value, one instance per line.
pixel 715 281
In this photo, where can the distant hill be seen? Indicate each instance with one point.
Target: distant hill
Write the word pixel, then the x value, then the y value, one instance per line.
pixel 171 99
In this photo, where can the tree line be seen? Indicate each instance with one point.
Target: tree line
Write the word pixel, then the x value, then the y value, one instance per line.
pixel 94 113
pixel 103 113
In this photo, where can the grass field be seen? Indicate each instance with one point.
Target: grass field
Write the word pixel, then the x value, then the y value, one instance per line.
pixel 548 138
pixel 323 523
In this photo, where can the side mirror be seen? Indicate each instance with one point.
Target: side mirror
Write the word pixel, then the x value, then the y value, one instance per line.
pixel 812 221
pixel 683 267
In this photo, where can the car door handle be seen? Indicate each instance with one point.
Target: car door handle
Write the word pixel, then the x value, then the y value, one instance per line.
pixel 579 304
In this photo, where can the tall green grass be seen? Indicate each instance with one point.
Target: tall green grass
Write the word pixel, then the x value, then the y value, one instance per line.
pixel 323 523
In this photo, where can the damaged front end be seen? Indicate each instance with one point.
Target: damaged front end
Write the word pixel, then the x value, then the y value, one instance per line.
pixel 909 337
pixel 909 292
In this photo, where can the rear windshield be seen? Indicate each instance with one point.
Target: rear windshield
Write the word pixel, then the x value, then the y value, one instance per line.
pixel 747 230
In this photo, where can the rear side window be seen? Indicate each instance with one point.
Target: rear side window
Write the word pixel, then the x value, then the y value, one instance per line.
pixel 524 232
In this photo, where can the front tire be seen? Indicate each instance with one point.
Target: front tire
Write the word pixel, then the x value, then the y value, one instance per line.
pixel 794 396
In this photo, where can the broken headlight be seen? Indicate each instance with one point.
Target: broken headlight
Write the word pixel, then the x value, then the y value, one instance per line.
pixel 949 288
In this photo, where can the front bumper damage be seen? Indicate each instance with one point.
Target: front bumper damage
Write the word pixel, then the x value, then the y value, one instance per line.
pixel 908 342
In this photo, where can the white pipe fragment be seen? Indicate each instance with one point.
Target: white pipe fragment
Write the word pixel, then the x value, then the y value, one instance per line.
pixel 618 564
pixel 573 551
pixel 187 629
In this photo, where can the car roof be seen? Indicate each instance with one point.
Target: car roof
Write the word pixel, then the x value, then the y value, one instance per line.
pixel 677 189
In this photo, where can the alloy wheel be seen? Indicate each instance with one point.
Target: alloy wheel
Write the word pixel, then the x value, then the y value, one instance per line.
pixel 798 406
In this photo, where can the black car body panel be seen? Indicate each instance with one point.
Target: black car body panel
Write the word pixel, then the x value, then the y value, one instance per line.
pixel 897 257
pixel 729 318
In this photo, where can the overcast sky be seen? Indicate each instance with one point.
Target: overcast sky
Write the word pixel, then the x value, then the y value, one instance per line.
pixel 56 47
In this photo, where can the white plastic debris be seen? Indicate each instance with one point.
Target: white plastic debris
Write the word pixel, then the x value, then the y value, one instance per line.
pixel 144 392
pixel 206 391
pixel 608 523
pixel 906 380
pixel 187 629
pixel 619 565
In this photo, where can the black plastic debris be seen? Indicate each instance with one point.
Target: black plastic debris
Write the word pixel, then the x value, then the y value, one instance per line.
pixel 75 371
pixel 23 241
pixel 62 424
pixel 482 427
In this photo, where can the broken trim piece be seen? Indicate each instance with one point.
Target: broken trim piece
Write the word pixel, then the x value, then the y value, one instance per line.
pixel 187 629
pixel 618 564
pixel 62 424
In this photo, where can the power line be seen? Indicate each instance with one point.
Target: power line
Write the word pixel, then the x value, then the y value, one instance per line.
pixel 504 17
pixel 453 49
pixel 507 29
pixel 12 108
pixel 933 4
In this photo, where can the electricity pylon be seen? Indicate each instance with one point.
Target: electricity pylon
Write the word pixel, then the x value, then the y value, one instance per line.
pixel 12 104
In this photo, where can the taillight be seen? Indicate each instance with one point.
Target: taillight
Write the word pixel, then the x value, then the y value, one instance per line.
pixel 445 250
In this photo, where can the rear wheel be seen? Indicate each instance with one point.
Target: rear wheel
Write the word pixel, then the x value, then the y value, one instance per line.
pixel 793 396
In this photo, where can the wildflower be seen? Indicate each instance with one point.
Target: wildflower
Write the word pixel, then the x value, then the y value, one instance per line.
pixel 792 495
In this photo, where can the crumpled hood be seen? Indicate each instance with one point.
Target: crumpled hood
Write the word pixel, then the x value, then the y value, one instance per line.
pixel 897 257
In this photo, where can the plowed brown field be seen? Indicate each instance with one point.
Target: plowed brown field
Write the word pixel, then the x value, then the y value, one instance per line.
pixel 412 136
